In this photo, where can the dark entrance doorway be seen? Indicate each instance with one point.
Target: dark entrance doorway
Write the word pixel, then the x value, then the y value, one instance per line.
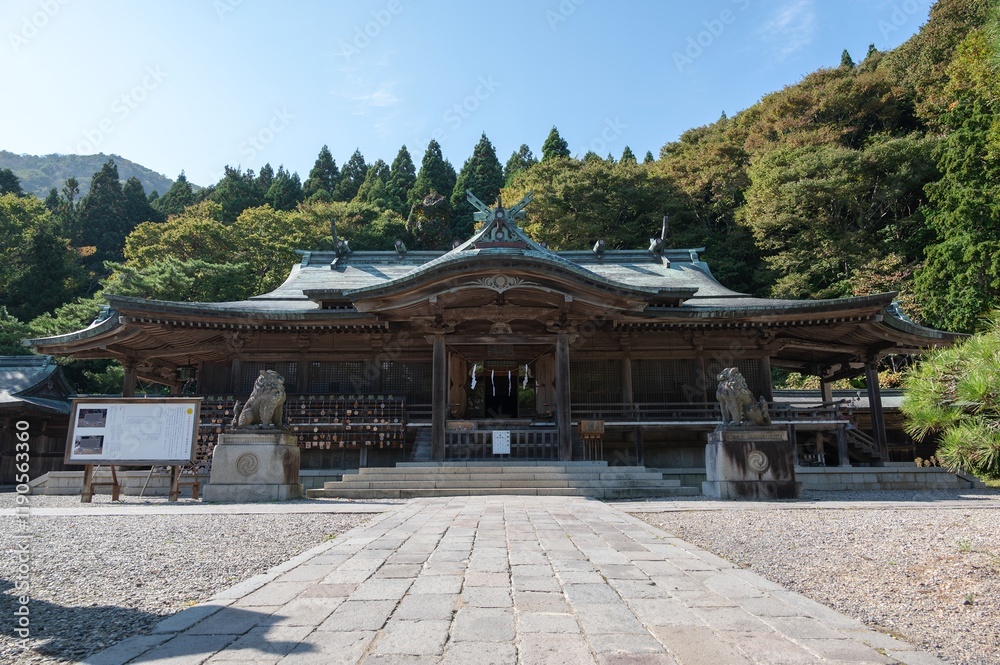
pixel 500 395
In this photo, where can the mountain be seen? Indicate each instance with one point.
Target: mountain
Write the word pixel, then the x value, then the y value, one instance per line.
pixel 39 174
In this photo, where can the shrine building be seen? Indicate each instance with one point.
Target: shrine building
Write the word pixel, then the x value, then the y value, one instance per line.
pixel 403 355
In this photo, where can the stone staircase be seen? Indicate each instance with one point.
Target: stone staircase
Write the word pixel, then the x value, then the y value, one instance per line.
pixel 591 479
pixel 422 446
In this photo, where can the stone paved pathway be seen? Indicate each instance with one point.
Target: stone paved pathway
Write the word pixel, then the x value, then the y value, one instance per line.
pixel 480 580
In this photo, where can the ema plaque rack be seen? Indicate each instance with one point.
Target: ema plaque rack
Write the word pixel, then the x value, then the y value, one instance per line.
pixel 322 422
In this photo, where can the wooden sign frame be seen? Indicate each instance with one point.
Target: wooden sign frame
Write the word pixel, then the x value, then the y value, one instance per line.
pixel 132 430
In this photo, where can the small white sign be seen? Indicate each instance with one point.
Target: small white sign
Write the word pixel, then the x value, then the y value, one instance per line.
pixel 501 442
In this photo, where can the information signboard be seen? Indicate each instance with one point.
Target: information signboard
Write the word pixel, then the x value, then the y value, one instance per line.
pixel 501 442
pixel 126 430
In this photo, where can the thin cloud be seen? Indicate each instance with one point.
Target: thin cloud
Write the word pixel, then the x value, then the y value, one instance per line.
pixel 790 28
pixel 365 103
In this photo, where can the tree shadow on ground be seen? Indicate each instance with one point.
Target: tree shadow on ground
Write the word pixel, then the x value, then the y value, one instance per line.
pixel 74 633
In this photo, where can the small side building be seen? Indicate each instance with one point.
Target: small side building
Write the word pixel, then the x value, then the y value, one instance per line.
pixel 33 391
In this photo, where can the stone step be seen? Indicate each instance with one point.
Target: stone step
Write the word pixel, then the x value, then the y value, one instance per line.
pixel 477 464
pixel 414 469
pixel 495 484
pixel 514 477
pixel 595 492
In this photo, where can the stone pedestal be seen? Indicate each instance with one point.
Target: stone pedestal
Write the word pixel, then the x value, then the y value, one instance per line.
pixel 254 465
pixel 750 463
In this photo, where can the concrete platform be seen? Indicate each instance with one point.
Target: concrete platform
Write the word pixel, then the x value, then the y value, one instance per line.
pixel 509 580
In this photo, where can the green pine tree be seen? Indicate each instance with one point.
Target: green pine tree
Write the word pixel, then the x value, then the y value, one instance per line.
pixel 351 176
pixel 179 196
pixel 628 157
pixel 285 192
pixel 648 159
pixel 136 205
pixel 846 60
pixel 554 146
pixel 236 192
pixel 402 178
pixel 519 161
pixel 483 176
pixel 960 279
pixel 436 175
pixel 45 275
pixel 102 215
pixel 323 177
pixel 374 189
pixel 265 179
pixel 10 183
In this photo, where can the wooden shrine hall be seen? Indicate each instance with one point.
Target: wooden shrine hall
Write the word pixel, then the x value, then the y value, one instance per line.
pixel 411 355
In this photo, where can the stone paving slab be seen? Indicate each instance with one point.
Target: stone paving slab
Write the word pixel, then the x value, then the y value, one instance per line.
pixel 509 579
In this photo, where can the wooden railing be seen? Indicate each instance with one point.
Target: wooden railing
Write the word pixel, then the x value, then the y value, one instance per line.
pixel 536 444
pixel 695 412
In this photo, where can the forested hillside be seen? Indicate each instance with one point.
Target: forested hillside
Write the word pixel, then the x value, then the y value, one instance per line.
pixel 881 173
pixel 40 173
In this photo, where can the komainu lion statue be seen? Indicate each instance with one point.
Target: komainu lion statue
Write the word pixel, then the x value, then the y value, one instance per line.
pixel 738 405
pixel 265 405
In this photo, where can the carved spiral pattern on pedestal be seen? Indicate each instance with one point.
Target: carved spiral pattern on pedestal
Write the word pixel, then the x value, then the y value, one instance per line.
pixel 757 461
pixel 247 464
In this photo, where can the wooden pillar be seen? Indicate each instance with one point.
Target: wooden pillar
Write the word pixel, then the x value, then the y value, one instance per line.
pixel 563 404
pixel 626 379
pixel 545 383
pixel 128 386
pixel 458 398
pixel 766 389
pixel 439 398
pixel 843 458
pixel 631 410
pixel 875 404
pixel 826 391
pixel 702 377
pixel 302 384
pixel 236 376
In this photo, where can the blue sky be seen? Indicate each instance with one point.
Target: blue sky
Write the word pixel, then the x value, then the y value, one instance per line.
pixel 198 84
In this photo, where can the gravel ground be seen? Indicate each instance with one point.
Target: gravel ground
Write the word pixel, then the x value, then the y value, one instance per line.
pixel 99 579
pixel 929 575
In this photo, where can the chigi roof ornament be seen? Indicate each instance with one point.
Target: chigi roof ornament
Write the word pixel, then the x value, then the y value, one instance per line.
pixel 500 224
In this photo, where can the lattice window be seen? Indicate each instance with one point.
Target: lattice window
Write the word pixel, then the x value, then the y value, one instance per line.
pixel 595 382
pixel 342 378
pixel 663 381
pixel 215 378
pixel 410 380
pixel 251 370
